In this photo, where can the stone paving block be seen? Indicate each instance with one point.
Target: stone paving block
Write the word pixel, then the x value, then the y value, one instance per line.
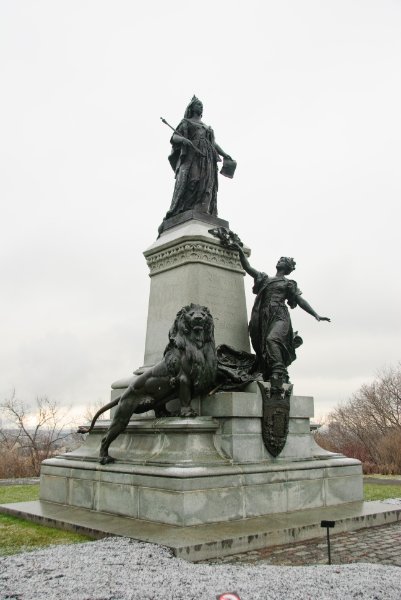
pixel 362 546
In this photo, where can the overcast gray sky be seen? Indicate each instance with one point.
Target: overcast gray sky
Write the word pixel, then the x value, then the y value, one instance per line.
pixel 306 96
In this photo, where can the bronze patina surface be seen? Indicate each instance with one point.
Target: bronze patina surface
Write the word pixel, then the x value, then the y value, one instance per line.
pixel 194 159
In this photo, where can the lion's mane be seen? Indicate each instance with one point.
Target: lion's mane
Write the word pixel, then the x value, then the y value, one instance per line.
pixel 191 351
pixel 193 347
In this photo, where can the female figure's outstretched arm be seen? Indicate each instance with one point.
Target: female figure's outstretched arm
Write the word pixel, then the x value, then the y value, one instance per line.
pixel 302 303
pixel 245 263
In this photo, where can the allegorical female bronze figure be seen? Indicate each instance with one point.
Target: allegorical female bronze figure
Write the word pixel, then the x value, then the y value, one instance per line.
pixel 194 159
pixel 270 326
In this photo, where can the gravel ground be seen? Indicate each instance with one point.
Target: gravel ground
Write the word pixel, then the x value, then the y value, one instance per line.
pixel 123 569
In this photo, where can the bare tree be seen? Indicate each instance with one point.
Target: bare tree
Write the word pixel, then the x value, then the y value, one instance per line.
pixel 92 409
pixel 33 432
pixel 368 426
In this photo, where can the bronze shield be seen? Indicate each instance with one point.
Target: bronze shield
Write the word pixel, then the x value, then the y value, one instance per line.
pixel 276 417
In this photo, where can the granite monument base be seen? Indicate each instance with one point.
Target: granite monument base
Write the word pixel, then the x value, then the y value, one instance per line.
pixel 210 469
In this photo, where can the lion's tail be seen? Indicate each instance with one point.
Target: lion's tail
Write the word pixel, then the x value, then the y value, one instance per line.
pixel 84 429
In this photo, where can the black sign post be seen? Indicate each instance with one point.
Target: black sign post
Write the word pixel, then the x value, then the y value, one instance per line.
pixel 329 525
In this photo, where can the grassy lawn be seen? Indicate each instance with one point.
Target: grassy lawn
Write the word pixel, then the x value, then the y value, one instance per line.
pixel 18 493
pixel 18 535
pixel 379 491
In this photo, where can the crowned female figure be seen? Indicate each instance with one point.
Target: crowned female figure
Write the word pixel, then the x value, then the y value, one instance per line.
pixel 194 159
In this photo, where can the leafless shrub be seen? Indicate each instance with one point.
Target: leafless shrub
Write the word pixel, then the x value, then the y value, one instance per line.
pixel 92 410
pixel 30 434
pixel 368 426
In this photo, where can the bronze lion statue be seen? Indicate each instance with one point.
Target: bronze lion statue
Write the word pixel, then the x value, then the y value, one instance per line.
pixel 188 368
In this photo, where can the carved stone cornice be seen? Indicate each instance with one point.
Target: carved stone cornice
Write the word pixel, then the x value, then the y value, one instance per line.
pixel 195 251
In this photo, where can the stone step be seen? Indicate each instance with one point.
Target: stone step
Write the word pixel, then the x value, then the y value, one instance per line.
pixel 201 542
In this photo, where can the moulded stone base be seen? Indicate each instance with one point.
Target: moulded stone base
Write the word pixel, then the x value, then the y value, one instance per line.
pixel 191 496
pixel 210 469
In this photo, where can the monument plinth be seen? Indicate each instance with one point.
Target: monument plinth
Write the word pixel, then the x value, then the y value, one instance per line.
pixel 188 264
pixel 213 468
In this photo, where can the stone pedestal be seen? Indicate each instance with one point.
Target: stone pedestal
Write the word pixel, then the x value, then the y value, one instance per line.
pixel 210 469
pixel 187 264
pixel 214 468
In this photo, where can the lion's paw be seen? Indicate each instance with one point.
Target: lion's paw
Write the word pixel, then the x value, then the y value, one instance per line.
pixel 105 460
pixel 83 429
pixel 188 412
pixel 162 412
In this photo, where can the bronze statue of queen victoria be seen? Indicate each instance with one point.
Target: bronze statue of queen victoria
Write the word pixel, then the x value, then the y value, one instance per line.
pixel 194 159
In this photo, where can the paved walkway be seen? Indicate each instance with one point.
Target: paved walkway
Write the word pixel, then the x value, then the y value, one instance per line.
pixel 374 545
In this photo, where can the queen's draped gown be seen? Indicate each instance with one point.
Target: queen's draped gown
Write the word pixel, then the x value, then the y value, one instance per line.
pixel 196 174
